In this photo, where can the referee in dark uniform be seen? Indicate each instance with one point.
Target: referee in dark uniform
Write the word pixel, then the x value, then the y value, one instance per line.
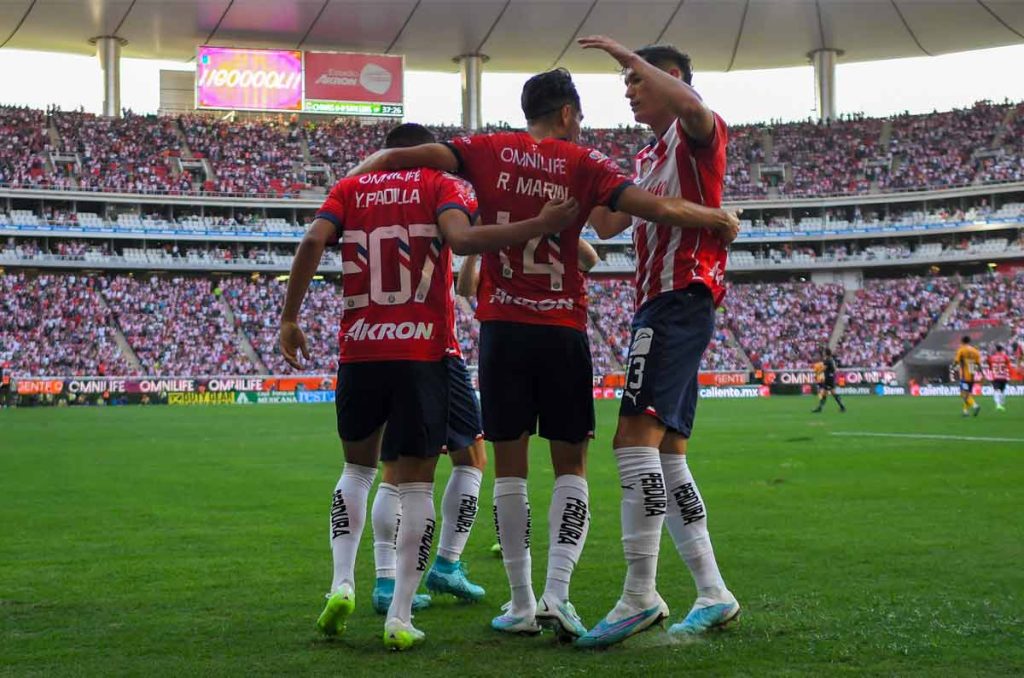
pixel 828 383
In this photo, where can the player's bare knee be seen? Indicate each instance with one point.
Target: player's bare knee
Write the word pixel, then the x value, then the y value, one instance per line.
pixel 673 443
pixel 511 459
pixel 413 470
pixel 638 431
pixel 475 455
pixel 569 458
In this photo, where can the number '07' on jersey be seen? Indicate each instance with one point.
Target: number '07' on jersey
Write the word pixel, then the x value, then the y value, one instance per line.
pixel 397 271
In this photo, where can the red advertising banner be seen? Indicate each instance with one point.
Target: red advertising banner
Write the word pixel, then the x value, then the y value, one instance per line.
pixel 354 84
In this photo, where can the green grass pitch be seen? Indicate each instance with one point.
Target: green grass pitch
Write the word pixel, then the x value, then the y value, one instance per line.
pixel 193 541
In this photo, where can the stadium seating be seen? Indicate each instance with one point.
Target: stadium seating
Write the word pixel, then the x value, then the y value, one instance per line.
pixel 782 325
pixel 57 325
pixel 176 326
pixel 996 298
pixel 275 157
pixel 889 317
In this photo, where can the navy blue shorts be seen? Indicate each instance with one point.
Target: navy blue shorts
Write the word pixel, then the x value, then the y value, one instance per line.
pixel 535 373
pixel 464 425
pixel 670 334
pixel 411 397
pixel 966 385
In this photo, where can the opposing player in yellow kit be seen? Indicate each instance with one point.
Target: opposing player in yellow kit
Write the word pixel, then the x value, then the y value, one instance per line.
pixel 968 364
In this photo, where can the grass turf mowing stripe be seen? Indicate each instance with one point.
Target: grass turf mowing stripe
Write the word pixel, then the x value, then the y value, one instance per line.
pixel 927 436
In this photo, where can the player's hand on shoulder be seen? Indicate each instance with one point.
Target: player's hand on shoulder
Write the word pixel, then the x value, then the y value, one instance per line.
pixel 292 341
pixel 729 226
pixel 558 215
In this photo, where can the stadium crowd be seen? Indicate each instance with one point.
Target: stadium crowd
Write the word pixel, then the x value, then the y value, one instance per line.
pixel 886 318
pixel 68 323
pixel 176 326
pixel 57 325
pixel 280 156
pixel 782 325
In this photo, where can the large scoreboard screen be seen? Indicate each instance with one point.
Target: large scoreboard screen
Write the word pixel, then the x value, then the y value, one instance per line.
pixel 333 83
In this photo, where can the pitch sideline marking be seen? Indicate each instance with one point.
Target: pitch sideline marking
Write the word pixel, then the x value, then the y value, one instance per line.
pixel 929 436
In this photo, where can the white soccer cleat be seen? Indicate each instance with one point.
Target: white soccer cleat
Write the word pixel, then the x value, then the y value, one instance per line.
pixel 517 622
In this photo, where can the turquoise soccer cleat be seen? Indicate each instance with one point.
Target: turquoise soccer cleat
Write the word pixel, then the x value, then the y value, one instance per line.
pixel 384 591
pixel 446 576
pixel 340 605
pixel 623 621
pixel 560 617
pixel 510 623
pixel 702 618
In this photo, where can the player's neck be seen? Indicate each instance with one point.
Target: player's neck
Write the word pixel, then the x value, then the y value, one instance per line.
pixel 542 132
pixel 662 125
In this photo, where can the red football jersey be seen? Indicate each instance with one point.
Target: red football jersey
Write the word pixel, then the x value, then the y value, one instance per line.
pixel 399 300
pixel 670 258
pixel 540 282
pixel 999 364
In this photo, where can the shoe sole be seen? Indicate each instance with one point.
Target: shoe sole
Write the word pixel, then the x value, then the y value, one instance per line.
pixel 437 591
pixel 554 624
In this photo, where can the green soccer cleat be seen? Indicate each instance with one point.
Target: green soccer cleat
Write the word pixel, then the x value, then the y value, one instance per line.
pixel 340 605
pixel 399 635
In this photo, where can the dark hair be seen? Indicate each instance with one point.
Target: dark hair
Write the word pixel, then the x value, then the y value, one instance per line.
pixel 966 339
pixel 547 92
pixel 408 134
pixel 828 351
pixel 667 56
pixel 999 348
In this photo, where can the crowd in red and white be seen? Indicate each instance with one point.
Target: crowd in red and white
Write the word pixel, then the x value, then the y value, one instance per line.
pixel 996 299
pixel 176 326
pixel 257 304
pixel 886 318
pixel 782 325
pixel 56 325
pixel 132 154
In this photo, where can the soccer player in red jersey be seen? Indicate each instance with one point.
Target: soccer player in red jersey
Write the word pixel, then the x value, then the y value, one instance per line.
pixel 535 368
pixel 999 365
pixel 395 231
pixel 679 283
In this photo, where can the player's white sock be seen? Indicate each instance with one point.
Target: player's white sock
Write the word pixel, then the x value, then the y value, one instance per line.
pixel 512 520
pixel 348 516
pixel 643 513
pixel 385 516
pixel 568 524
pixel 415 539
pixel 687 522
pixel 458 510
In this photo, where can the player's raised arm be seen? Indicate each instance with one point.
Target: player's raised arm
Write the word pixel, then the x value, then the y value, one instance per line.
pixel 678 212
pixel 463 238
pixel 697 119
pixel 304 265
pixel 437 156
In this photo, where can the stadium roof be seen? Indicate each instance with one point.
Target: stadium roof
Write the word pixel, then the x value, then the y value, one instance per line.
pixel 523 35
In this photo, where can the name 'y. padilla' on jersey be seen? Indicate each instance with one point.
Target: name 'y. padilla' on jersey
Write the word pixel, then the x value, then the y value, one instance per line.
pixel 538 282
pixel 399 300
pixel 669 258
